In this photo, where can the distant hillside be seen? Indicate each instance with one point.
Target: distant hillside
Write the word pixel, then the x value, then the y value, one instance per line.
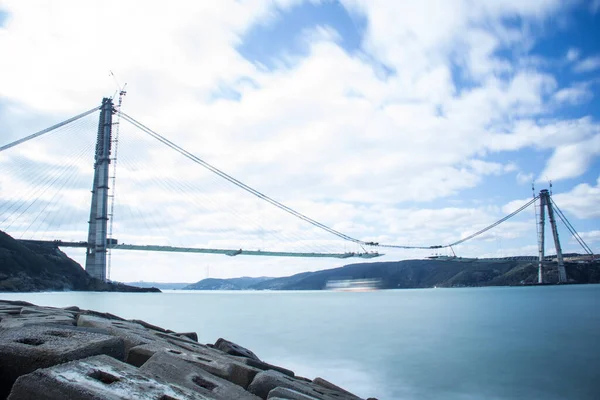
pixel 418 274
pixel 34 267
pixel 242 283
pixel 159 285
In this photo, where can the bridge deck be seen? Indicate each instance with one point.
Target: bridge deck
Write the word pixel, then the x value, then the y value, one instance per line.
pixel 227 252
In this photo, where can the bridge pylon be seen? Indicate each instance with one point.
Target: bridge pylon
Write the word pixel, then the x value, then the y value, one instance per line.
pixel 545 202
pixel 95 261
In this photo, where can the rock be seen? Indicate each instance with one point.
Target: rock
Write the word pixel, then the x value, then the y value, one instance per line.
pixel 132 334
pixel 266 381
pixel 104 315
pixel 264 366
pixel 172 336
pixel 16 303
pixel 234 349
pixel 25 349
pixel 96 378
pixel 288 394
pixel 18 321
pixel 186 373
pixel 7 309
pixel 208 359
pixel 326 384
pixel 40 346
pixel 149 326
pixel 138 355
pixel 190 335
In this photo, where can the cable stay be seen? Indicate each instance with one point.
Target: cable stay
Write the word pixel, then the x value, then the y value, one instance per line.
pixel 571 229
pixel 50 129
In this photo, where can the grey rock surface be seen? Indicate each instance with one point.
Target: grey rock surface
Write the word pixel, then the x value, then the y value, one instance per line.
pixel 207 359
pixel 288 394
pixel 97 378
pixel 234 349
pixel 266 381
pixel 67 353
pixel 187 373
pixel 28 348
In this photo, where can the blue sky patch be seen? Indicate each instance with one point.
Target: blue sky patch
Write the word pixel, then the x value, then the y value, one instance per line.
pixel 265 43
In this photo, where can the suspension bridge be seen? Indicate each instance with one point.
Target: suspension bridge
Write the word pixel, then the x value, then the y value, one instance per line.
pixel 42 208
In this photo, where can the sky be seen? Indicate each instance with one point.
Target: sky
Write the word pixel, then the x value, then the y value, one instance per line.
pixel 400 122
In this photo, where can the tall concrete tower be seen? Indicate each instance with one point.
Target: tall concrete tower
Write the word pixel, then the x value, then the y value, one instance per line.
pixel 545 202
pixel 95 261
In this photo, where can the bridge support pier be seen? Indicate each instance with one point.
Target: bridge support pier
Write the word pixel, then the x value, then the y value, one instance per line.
pixel 545 202
pixel 95 261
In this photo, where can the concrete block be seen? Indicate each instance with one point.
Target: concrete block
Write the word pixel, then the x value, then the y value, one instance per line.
pixel 234 349
pixel 16 303
pixel 138 355
pixel 190 335
pixel 186 373
pixel 104 315
pixel 148 326
pixel 96 378
pixel 288 394
pixel 28 348
pixel 208 359
pixel 46 311
pixel 263 366
pixel 18 321
pixel 176 338
pixel 132 334
pixel 326 384
pixel 266 381
pixel 8 309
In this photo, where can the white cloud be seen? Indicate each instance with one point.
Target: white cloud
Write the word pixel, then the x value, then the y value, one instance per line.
pixel 582 201
pixel 326 131
pixel 572 54
pixel 523 178
pixel 574 95
pixel 571 160
pixel 587 64
pixel 590 236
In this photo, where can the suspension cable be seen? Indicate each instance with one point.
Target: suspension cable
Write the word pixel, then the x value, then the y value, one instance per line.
pixel 236 182
pixel 295 213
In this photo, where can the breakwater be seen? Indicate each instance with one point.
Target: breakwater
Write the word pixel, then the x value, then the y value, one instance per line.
pixel 57 353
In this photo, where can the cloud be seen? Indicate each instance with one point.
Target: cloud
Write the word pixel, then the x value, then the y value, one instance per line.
pixel 572 54
pixel 574 95
pixel 571 160
pixel 582 201
pixel 523 178
pixel 374 142
pixel 591 236
pixel 587 64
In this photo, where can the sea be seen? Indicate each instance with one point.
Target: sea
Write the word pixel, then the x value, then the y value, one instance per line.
pixel 453 344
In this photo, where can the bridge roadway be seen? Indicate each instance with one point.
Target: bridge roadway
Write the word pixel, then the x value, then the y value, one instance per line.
pixel 227 252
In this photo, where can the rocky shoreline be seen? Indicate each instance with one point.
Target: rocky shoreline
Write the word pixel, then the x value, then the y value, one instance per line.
pixel 51 353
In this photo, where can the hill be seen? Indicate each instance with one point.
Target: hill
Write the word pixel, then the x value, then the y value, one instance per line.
pixel 159 285
pixel 28 267
pixel 243 283
pixel 420 274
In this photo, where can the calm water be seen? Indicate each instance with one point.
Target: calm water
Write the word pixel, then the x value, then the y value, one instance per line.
pixel 492 343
